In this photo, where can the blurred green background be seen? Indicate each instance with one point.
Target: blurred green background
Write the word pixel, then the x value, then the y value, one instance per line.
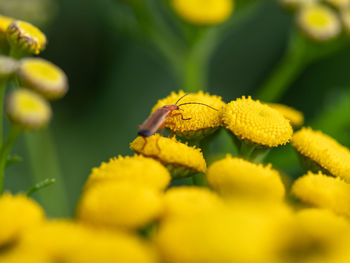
pixel 115 80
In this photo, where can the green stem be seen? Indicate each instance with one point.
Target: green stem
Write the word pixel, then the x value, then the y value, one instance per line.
pixel 47 182
pixel 5 150
pixel 44 163
pixel 289 68
pixel 2 94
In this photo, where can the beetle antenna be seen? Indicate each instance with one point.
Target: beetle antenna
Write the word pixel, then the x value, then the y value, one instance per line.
pixel 182 98
pixel 197 103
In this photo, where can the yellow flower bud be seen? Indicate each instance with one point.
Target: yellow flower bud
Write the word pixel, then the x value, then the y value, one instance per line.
pixel 27 109
pixel 25 38
pixel 295 117
pixel 319 22
pixel 340 4
pixel 4 24
pixel 43 77
pixel 204 12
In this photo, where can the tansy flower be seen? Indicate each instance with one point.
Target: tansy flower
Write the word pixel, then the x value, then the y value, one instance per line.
pixel 4 24
pixel 119 205
pixel 200 120
pixel 295 117
pixel 203 12
pixel 256 122
pixel 315 235
pixel 27 109
pixel 64 241
pixel 136 169
pixel 186 201
pixel 237 177
pixel 340 4
pixel 323 191
pixel 43 77
pixel 181 159
pixel 8 66
pixel 324 151
pixel 18 214
pixel 319 22
pixel 240 234
pixel 25 38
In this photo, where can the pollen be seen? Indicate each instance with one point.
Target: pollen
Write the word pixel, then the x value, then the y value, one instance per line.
pixel 203 12
pixel 26 37
pixel 319 22
pixel 18 214
pixel 181 159
pixel 136 169
pixel 295 117
pixel 187 201
pixel 119 205
pixel 240 178
pixel 200 120
pixel 43 77
pixel 27 109
pixel 323 191
pixel 323 150
pixel 256 122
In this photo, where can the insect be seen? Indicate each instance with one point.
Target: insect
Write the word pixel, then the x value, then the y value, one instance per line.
pixel 158 119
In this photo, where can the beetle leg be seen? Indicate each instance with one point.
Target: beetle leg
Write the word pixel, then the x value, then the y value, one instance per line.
pixel 182 116
pixel 143 146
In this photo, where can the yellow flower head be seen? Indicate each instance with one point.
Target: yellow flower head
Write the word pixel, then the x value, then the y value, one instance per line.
pixel 295 117
pixel 181 159
pixel 25 37
pixel 18 214
pixel 323 191
pixel 187 201
pixel 295 4
pixel 119 205
pixel 319 22
pixel 240 234
pixel 323 150
pixel 27 109
pixel 43 77
pixel 203 12
pixel 256 122
pixel 8 66
pixel 136 169
pixel 238 177
pixel 315 235
pixel 340 4
pixel 65 241
pixel 4 23
pixel 202 120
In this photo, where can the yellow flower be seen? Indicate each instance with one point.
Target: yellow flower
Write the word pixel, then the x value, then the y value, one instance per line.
pixel 181 159
pixel 119 205
pixel 256 122
pixel 27 109
pixel 323 191
pixel 65 241
pixel 18 214
pixel 43 77
pixel 295 117
pixel 25 38
pixel 186 201
pixel 315 235
pixel 136 169
pixel 340 4
pixel 201 120
pixel 203 12
pixel 240 234
pixel 238 177
pixel 4 23
pixel 323 150
pixel 319 22
pixel 8 66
